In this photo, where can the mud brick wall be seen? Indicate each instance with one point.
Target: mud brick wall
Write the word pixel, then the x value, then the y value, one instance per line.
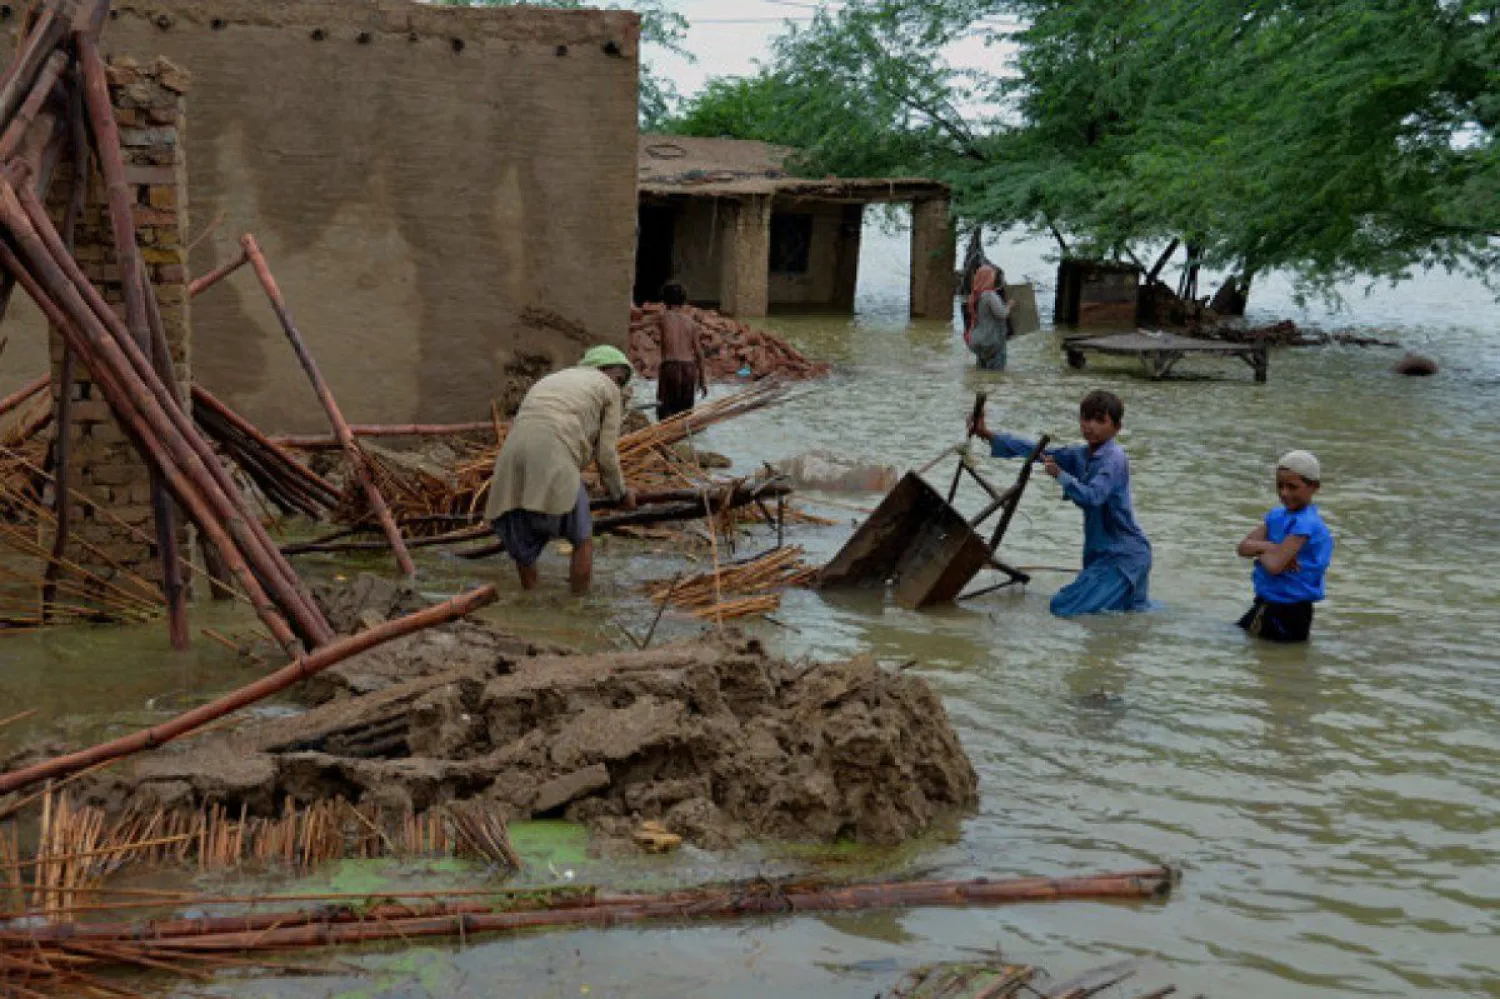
pixel 426 181
pixel 104 466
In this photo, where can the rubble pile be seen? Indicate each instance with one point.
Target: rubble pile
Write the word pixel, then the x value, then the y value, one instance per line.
pixel 729 346
pixel 717 741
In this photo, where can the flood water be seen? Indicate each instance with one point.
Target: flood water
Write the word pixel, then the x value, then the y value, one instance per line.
pixel 1333 807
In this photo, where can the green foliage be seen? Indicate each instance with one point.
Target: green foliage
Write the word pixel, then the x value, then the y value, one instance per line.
pixel 661 26
pixel 1330 138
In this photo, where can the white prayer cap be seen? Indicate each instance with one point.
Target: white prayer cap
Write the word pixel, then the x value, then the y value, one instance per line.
pixel 1304 463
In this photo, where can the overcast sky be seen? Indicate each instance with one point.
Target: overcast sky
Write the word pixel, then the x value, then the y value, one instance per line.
pixel 728 36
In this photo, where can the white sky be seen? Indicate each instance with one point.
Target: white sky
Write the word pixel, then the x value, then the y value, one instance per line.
pixel 727 37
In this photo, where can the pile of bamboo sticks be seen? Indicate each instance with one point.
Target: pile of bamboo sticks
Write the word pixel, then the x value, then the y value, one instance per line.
pixel 56 95
pixel 740 589
pixel 644 446
pixel 69 953
pixel 280 477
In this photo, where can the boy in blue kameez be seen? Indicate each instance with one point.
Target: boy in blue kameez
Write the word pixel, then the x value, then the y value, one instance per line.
pixel 1096 476
pixel 1292 548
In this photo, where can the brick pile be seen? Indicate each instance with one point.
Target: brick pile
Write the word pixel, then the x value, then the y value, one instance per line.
pixel 104 466
pixel 729 346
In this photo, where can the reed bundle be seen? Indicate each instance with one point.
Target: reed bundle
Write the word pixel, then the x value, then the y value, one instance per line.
pixel 724 610
pixel 750 586
pixel 39 585
pixel 428 491
pixel 79 846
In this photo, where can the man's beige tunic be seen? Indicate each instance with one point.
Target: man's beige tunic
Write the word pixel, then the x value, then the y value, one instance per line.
pixel 567 420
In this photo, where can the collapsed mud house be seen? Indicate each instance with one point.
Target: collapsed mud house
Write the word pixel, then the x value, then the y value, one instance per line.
pixel 413 171
pixel 725 218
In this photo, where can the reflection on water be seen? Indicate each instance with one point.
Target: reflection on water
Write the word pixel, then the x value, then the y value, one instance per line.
pixel 1333 806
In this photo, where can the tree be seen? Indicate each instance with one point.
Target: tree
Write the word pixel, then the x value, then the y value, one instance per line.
pixel 1330 138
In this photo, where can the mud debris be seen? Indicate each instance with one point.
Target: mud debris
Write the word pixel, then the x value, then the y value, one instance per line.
pixel 717 742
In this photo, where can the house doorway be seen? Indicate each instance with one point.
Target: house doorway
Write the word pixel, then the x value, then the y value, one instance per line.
pixel 653 251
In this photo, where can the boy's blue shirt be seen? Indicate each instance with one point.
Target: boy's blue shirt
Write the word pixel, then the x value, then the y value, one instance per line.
pixel 1306 583
pixel 1099 483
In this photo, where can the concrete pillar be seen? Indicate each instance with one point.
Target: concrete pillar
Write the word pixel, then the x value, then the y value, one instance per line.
pixel 745 257
pixel 117 524
pixel 933 256
pixel 846 257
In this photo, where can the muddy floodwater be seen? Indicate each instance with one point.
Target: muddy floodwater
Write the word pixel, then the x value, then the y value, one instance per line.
pixel 1333 807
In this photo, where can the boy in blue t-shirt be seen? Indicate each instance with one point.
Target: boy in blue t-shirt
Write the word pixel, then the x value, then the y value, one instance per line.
pixel 1292 550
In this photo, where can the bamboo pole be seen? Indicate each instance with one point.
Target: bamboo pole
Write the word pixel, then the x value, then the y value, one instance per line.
pixel 312 441
pixel 24 393
pixel 199 285
pixel 15 130
pixel 321 487
pixel 181 437
pixel 326 656
pixel 63 422
pixel 86 337
pixel 357 460
pixel 731 900
pixel 137 288
pixel 162 411
pixel 713 904
pixel 44 36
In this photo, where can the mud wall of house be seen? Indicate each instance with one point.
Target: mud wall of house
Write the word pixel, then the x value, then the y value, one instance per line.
pixel 445 194
pixel 699 231
pixel 695 246
pixel 817 285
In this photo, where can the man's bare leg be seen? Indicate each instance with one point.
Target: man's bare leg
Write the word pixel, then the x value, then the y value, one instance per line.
pixel 528 575
pixel 581 567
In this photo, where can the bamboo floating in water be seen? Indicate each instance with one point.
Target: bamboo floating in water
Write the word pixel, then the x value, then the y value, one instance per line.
pixel 328 655
pixel 358 463
pixel 563 906
pixel 731 902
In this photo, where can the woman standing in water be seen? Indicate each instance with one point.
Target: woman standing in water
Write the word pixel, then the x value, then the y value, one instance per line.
pixel 987 327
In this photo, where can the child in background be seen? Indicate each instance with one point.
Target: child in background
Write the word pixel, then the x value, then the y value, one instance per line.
pixel 1291 549
pixel 1095 476
pixel 683 367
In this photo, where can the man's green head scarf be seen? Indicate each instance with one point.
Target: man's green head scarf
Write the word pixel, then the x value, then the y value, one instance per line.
pixel 605 356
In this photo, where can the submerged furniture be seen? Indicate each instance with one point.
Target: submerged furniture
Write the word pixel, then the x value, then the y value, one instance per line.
pixel 1160 352
pixel 922 547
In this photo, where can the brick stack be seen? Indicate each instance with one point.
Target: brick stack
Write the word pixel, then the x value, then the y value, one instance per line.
pixel 104 466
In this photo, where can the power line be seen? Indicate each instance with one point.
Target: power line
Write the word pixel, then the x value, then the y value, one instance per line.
pixel 695 21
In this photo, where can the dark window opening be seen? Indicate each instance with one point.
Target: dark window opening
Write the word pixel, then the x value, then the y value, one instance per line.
pixel 656 226
pixel 791 241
